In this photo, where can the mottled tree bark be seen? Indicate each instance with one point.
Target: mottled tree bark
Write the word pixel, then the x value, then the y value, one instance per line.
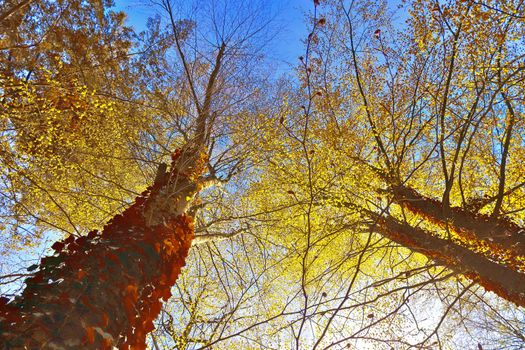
pixel 505 282
pixel 502 236
pixel 104 290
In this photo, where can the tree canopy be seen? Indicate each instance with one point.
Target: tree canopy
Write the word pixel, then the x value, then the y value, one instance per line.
pixel 370 197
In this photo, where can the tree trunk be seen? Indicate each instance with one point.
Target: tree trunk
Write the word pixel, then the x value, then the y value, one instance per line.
pixel 104 290
pixel 505 282
pixel 503 237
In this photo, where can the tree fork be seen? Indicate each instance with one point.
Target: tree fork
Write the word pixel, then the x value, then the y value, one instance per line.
pixel 104 290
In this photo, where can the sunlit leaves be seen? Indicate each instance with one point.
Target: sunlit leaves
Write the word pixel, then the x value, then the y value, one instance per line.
pixel 62 145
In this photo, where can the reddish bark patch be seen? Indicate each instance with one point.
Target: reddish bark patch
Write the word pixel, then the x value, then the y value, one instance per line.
pixel 101 290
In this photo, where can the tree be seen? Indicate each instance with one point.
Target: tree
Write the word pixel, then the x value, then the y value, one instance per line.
pixel 458 106
pixel 404 147
pixel 147 243
pixel 357 149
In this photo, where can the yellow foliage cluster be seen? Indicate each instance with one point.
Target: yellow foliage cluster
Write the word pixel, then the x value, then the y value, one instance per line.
pixel 66 153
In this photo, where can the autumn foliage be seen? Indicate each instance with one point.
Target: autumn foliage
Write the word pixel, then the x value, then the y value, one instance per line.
pixel 380 187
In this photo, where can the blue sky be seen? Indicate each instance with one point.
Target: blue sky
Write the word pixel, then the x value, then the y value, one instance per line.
pixel 290 17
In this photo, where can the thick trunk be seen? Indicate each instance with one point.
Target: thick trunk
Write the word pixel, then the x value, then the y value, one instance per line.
pixel 504 238
pixel 505 282
pixel 105 289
